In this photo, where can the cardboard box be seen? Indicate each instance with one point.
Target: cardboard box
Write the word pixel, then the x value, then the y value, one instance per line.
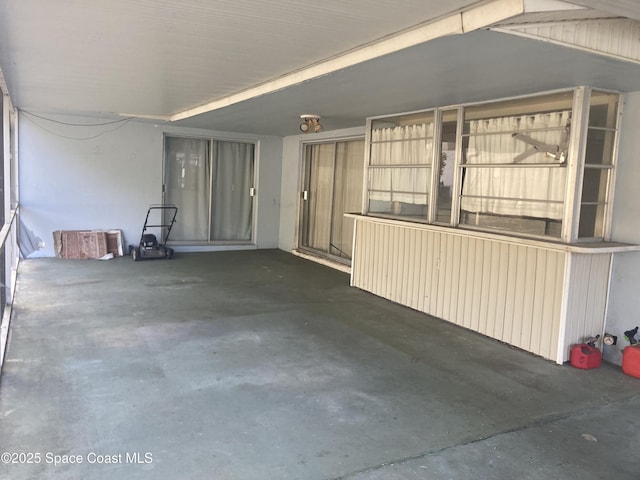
pixel 84 244
pixel 114 242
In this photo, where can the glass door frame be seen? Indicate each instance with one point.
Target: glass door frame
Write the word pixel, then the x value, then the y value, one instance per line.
pixel 303 200
pixel 210 141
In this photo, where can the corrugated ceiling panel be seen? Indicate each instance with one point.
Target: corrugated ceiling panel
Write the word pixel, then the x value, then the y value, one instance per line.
pixel 623 8
pixel 620 37
pixel 556 16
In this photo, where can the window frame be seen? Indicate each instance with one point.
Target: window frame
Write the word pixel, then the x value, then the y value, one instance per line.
pixel 428 165
pixel 575 165
pixel 305 148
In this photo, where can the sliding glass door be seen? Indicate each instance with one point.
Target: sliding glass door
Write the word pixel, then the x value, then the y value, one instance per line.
pixel 211 183
pixel 333 174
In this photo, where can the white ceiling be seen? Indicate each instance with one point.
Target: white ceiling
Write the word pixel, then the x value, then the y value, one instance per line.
pixel 162 57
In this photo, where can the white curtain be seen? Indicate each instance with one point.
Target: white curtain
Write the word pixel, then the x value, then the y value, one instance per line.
pixel 187 186
pixel 232 203
pixel 492 141
pixel 403 145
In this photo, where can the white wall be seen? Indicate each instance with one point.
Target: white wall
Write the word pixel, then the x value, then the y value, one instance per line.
pixel 624 297
pixel 291 178
pixel 104 177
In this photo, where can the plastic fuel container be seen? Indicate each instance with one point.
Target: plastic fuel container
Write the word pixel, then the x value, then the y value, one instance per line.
pixel 585 356
pixel 631 360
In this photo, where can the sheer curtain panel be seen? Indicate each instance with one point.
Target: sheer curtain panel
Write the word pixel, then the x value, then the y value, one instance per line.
pixel 187 174
pixel 232 201
pixel 499 178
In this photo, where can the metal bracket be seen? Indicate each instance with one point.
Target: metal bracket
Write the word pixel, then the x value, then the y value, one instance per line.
pixel 553 151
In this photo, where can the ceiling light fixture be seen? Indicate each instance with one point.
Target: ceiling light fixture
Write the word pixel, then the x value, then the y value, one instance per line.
pixel 310 123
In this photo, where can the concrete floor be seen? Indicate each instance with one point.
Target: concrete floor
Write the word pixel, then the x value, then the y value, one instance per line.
pixel 261 365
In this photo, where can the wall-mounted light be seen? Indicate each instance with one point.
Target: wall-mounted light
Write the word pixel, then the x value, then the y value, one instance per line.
pixel 310 123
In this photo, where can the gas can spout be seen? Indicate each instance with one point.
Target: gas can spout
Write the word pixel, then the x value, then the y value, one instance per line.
pixel 630 336
pixel 592 341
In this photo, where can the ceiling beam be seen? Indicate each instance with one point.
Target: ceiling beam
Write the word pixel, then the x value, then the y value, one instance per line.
pixel 473 18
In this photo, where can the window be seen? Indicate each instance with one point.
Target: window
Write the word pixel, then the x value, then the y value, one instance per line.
pixel 400 165
pixel 514 158
pixel 598 164
pixel 447 161
pixel 528 166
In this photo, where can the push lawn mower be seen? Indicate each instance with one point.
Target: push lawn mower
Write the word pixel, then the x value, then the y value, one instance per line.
pixel 149 246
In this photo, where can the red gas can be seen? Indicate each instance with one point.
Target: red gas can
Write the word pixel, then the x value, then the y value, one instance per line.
pixel 631 360
pixel 585 356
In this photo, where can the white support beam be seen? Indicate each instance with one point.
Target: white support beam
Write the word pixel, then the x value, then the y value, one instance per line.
pixel 479 16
